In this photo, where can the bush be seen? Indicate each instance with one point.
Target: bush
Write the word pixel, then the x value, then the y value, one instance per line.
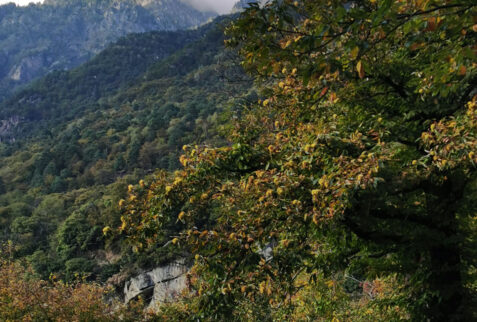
pixel 78 267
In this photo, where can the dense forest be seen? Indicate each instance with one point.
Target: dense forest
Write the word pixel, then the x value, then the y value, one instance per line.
pixel 85 134
pixel 309 161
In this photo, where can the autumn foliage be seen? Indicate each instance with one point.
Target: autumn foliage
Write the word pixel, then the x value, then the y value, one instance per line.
pixel 25 297
pixel 357 164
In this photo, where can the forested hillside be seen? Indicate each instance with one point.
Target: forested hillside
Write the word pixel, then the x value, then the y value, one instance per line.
pixel 82 136
pixel 303 160
pixel 61 34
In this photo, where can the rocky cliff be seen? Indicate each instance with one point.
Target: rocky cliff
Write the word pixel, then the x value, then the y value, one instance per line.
pixel 242 4
pixel 159 285
pixel 61 34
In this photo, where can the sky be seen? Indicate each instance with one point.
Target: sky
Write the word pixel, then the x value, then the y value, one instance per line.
pixel 221 6
pixel 20 2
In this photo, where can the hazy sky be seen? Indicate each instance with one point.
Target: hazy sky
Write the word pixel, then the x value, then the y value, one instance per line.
pixel 20 2
pixel 221 6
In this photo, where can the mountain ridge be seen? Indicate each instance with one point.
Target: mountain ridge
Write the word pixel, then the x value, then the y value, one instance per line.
pixel 59 35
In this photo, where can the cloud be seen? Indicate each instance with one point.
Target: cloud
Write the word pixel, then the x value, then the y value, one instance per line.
pixel 219 6
pixel 20 2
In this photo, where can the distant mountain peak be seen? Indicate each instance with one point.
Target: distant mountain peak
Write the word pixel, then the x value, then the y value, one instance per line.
pixel 61 34
pixel 243 4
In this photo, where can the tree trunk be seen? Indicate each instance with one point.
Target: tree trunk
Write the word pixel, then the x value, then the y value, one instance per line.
pixel 445 279
pixel 446 284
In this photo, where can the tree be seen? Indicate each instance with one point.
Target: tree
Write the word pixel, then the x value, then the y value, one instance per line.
pixel 76 236
pixel 361 158
pixel 2 186
pixel 24 297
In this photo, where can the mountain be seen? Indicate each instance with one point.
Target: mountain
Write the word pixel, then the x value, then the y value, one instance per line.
pixel 61 94
pixel 242 4
pixel 77 138
pixel 61 34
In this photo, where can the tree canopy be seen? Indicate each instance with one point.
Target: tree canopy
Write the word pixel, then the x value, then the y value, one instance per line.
pixel 357 165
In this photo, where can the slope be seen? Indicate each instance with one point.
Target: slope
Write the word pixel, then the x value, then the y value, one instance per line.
pixel 74 153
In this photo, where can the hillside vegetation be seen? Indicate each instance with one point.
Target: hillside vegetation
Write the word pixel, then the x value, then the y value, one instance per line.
pixel 339 186
pixel 84 135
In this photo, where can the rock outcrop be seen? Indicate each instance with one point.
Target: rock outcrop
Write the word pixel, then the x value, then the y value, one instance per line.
pixel 6 128
pixel 162 284
pixel 242 4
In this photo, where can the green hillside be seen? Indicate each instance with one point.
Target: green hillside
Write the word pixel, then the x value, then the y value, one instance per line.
pixel 84 135
pixel 299 161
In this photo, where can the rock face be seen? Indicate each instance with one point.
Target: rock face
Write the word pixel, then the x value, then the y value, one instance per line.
pixel 62 34
pixel 242 4
pixel 160 285
pixel 6 127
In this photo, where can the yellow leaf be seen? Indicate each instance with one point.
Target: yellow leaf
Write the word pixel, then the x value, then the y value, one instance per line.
pixel 106 230
pixel 354 52
pixel 360 69
pixel 462 70
pixel 261 287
